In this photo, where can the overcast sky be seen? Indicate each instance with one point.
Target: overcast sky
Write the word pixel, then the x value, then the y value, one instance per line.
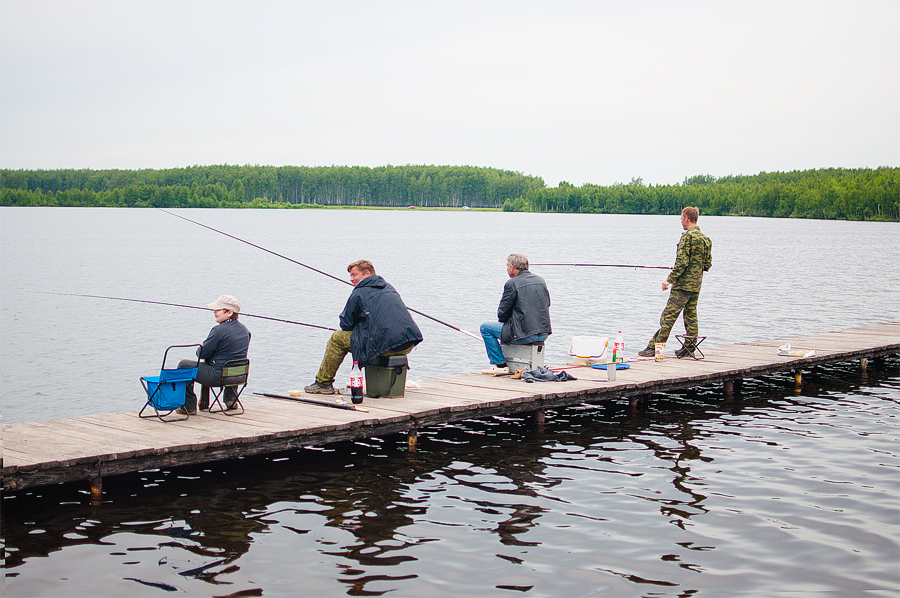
pixel 585 92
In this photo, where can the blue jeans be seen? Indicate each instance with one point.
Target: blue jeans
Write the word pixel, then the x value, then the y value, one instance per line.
pixel 490 332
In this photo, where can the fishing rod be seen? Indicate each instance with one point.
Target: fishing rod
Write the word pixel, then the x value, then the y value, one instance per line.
pixel 311 268
pixel 344 405
pixel 253 245
pixel 608 266
pixel 192 307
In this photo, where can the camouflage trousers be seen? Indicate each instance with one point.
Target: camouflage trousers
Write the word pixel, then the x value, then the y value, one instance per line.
pixel 337 348
pixel 678 301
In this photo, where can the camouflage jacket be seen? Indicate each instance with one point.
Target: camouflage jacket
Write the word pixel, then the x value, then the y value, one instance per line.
pixel 692 259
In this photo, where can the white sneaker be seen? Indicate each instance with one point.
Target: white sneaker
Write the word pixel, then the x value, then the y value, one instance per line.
pixel 496 370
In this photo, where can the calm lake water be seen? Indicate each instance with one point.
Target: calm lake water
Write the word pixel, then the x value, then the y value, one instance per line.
pixel 779 492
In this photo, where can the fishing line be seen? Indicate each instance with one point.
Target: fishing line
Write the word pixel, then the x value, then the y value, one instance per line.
pixel 604 266
pixel 313 269
pixel 254 245
pixel 191 307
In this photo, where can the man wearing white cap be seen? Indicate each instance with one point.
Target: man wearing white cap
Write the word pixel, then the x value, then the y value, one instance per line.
pixel 228 340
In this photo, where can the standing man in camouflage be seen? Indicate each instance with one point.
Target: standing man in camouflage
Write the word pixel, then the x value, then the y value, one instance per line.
pixel 692 259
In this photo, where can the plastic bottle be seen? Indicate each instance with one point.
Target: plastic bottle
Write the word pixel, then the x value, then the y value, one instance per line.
pixel 356 391
pixel 619 348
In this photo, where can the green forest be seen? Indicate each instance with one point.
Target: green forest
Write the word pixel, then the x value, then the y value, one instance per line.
pixel 267 186
pixel 831 193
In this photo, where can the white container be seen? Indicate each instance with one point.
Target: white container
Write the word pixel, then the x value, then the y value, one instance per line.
pixel 588 350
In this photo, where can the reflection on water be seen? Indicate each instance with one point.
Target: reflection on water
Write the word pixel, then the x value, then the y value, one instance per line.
pixel 778 490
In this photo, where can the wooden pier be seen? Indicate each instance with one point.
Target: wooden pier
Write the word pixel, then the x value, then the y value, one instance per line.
pixel 96 446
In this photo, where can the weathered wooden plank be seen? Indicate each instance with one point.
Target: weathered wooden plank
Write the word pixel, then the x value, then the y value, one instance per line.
pixel 44 442
pixel 519 390
pixel 166 437
pixel 837 340
pixel 495 385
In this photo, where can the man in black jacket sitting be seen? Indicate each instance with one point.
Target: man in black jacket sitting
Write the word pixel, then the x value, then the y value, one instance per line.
pixel 523 314
pixel 374 322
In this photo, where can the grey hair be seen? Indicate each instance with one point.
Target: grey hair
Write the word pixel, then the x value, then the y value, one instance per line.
pixel 517 261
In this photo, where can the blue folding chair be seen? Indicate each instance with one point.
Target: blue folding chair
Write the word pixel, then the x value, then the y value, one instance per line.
pixel 165 393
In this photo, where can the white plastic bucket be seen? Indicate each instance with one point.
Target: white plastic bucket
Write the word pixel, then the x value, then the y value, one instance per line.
pixel 591 348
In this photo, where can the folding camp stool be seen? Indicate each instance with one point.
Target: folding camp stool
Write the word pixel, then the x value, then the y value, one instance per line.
pixel 234 375
pixel 691 344
pixel 165 393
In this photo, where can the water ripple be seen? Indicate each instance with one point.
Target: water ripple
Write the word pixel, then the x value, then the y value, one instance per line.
pixel 776 491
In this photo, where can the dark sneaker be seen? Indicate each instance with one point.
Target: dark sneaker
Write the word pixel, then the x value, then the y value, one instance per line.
pixel 317 388
pixel 182 411
pixel 684 352
pixel 648 352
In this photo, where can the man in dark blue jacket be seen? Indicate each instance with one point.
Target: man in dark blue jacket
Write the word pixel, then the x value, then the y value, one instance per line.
pixel 523 314
pixel 374 322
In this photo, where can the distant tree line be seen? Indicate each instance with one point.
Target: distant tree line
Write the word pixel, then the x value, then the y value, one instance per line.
pixel 833 193
pixel 267 186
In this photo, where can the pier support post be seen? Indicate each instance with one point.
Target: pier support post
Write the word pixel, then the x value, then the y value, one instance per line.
pixel 96 490
pixel 863 364
pixel 539 419
pixel 728 389
pixel 798 382
pixel 412 439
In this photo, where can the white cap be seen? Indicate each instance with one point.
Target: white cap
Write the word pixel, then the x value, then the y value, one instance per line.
pixel 226 302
